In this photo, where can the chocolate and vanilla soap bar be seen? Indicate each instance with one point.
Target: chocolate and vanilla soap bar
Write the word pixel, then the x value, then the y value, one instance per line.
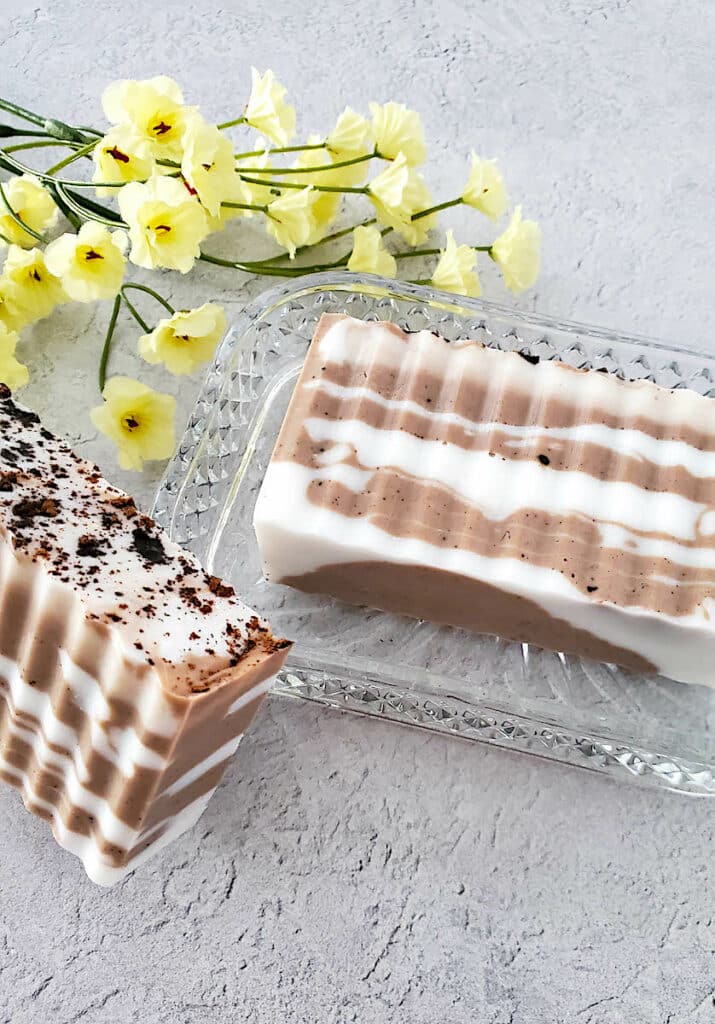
pixel 127 674
pixel 487 490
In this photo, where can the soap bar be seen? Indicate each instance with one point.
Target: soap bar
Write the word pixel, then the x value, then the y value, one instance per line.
pixel 491 491
pixel 127 674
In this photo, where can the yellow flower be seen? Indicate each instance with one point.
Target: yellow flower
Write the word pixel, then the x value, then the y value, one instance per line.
pixel 121 156
pixel 397 193
pixel 456 269
pixel 139 421
pixel 325 205
pixel 258 195
pixel 398 130
pixel 30 291
pixel 517 252
pixel 90 264
pixel 185 340
pixel 267 111
pixel 290 219
pixel 12 372
pixel 166 223
pixel 369 254
pixel 208 164
pixel 153 108
pixel 349 136
pixel 485 189
pixel 32 203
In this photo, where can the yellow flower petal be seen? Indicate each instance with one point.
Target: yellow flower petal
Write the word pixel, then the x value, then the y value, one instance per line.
pixel 139 421
pixel 485 189
pixel 369 253
pixel 417 197
pixel 121 156
pixel 517 251
pixel 258 195
pixel 396 130
pixel 267 111
pixel 33 204
pixel 12 373
pixel 208 164
pixel 388 188
pixel 349 136
pixel 153 108
pixel 166 223
pixel 185 340
pixel 456 269
pixel 90 264
pixel 397 193
pixel 290 219
pixel 30 292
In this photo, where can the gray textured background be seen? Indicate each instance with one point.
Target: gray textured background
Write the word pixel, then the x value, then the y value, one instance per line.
pixel 351 871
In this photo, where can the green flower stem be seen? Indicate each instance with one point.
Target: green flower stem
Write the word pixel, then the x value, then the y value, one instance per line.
pixel 361 190
pixel 10 131
pixel 280 149
pixel 436 209
pixel 69 213
pixel 149 291
pixel 248 269
pixel 135 313
pixel 245 206
pixel 18 220
pixel 22 113
pixel 230 124
pixel 35 145
pixel 78 153
pixel 308 170
pixel 88 209
pixel 270 260
pixel 104 359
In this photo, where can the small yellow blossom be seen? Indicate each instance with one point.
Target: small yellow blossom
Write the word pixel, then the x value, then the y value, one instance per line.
pixel 29 290
pixel 349 136
pixel 12 373
pixel 32 203
pixel 369 253
pixel 290 219
pixel 139 421
pixel 485 189
pixel 90 264
pixel 267 111
pixel 185 340
pixel 121 156
pixel 456 269
pixel 258 195
pixel 325 205
pixel 396 130
pixel 208 164
pixel 397 193
pixel 153 108
pixel 517 252
pixel 166 223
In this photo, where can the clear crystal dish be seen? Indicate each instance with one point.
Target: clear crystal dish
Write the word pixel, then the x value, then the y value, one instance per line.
pixel 582 713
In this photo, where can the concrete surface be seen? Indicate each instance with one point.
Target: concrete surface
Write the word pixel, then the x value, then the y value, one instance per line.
pixel 349 871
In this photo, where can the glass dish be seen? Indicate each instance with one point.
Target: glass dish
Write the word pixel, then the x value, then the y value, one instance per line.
pixel 453 682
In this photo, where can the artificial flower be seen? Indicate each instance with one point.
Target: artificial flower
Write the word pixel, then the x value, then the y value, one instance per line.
pixel 166 223
pixel 416 197
pixel 396 130
pixel 153 108
pixel 257 195
pixel 139 420
pixel 121 156
pixel 456 269
pixel 485 189
pixel 517 252
pixel 267 111
pixel 12 372
pixel 208 164
pixel 90 264
pixel 290 219
pixel 398 193
pixel 369 253
pixel 32 203
pixel 387 190
pixel 349 135
pixel 29 290
pixel 325 205
pixel 187 339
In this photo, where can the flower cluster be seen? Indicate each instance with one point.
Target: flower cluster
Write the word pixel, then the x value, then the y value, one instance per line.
pixel 164 180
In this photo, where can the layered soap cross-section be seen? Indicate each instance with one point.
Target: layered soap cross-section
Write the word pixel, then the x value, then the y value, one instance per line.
pixel 127 674
pixel 489 490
